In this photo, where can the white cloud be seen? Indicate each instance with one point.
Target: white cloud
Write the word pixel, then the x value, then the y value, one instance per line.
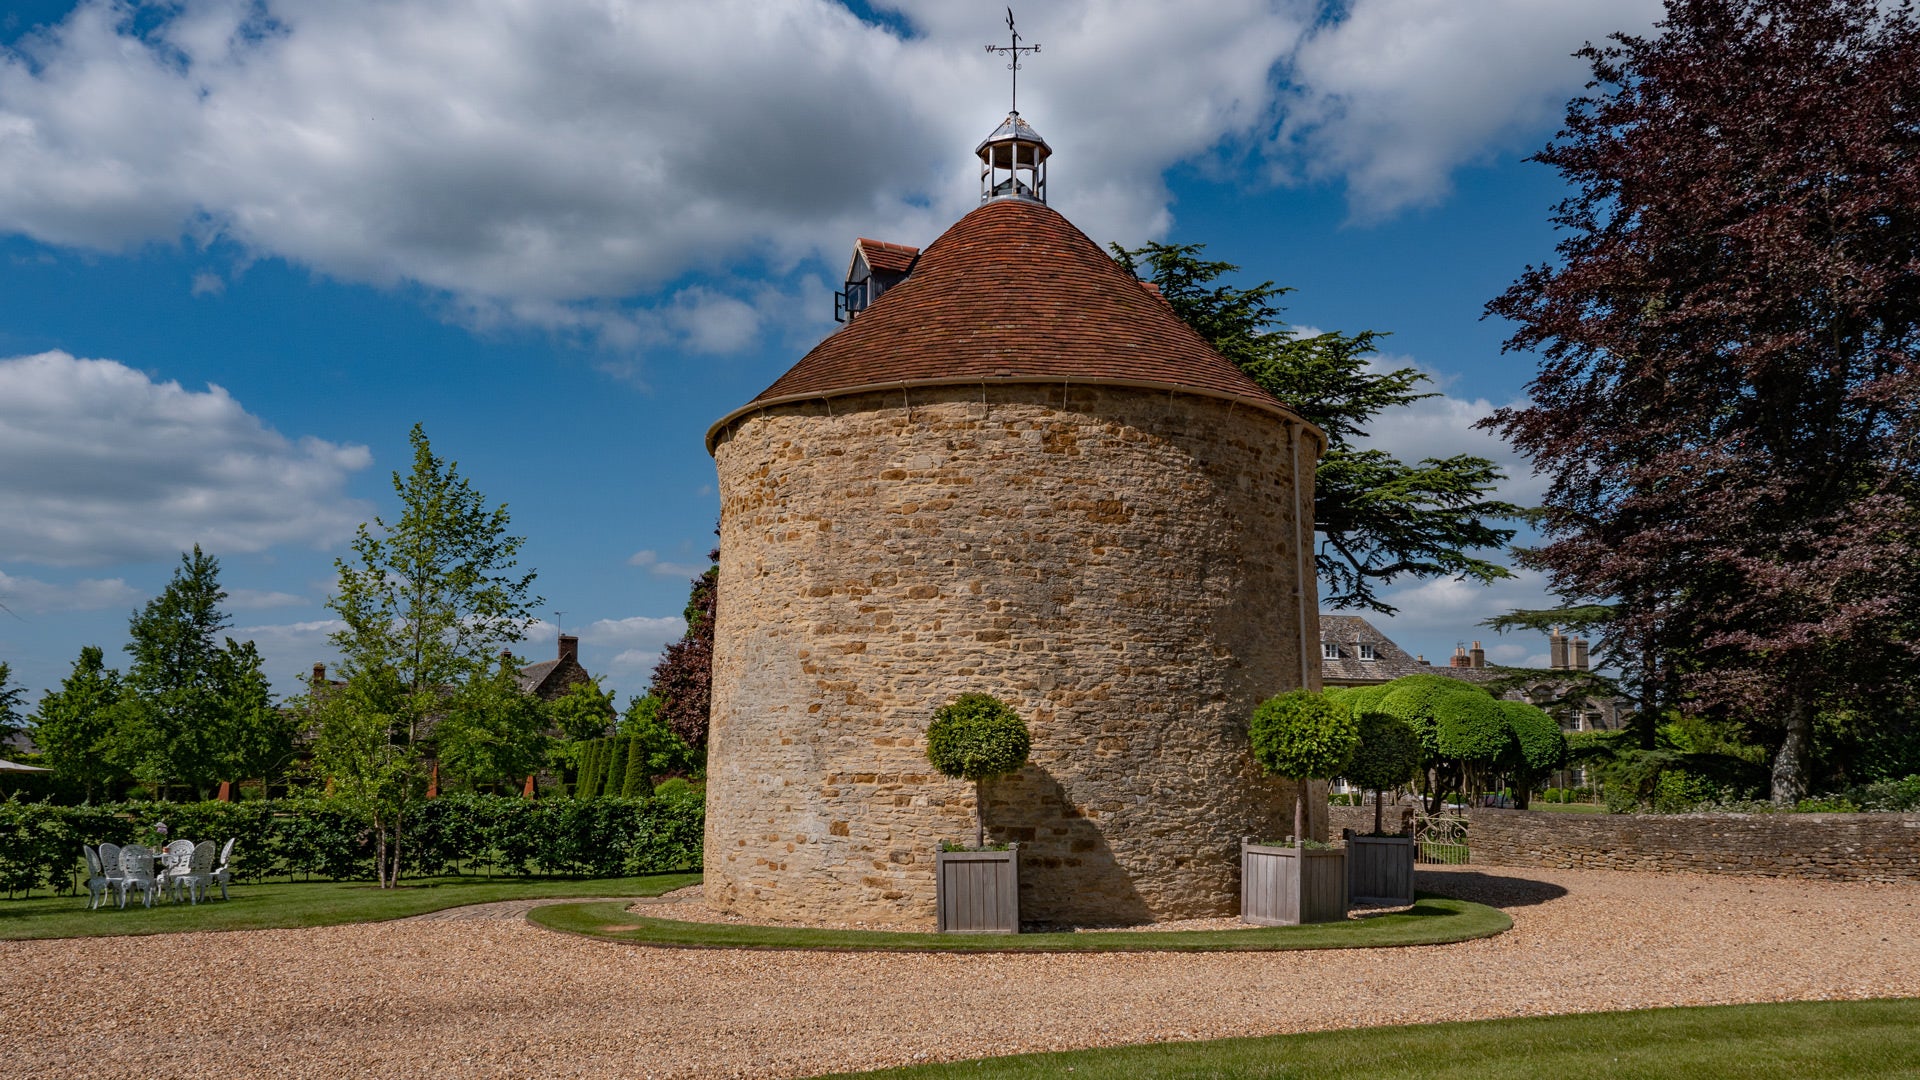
pixel 1398 94
pixel 1435 616
pixel 288 651
pixel 206 284
pixel 560 164
pixel 650 560
pixel 1442 426
pixel 638 641
pixel 638 631
pixel 100 463
pixel 255 599
pixel 88 594
pixel 535 159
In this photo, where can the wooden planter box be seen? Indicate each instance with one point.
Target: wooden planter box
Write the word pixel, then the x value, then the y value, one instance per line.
pixel 977 892
pixel 1287 886
pixel 1379 869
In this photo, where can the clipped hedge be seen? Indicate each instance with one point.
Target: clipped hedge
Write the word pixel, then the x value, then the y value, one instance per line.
pixel 328 839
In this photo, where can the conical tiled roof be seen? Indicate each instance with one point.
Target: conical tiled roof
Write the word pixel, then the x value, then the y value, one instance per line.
pixel 1014 293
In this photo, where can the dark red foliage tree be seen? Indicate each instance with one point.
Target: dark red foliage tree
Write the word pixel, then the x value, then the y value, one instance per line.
pixel 1727 400
pixel 683 680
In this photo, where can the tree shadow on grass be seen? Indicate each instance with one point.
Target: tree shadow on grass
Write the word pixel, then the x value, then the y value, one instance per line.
pixel 1496 890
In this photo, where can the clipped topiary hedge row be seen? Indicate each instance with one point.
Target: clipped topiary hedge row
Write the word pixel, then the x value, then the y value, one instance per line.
pixel 329 839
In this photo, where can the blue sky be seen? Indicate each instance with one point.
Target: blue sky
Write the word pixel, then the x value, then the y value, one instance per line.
pixel 245 246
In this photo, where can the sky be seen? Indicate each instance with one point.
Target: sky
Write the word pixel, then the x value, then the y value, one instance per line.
pixel 245 245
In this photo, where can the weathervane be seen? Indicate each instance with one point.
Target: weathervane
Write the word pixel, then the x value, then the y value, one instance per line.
pixel 1013 49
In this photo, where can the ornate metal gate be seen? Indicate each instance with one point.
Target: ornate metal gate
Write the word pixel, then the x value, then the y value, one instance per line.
pixel 1440 838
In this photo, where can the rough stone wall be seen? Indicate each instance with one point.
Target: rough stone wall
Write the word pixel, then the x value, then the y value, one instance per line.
pixel 1123 567
pixel 1825 847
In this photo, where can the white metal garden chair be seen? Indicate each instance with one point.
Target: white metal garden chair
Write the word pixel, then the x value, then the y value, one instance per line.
pixel 224 872
pixel 136 872
pixel 96 879
pixel 196 877
pixel 173 860
pixel 110 865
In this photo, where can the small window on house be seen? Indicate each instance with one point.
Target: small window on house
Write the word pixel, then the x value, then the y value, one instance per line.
pixel 1366 651
pixel 1329 651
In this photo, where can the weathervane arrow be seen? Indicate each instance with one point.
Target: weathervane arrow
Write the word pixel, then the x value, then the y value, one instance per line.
pixel 1013 49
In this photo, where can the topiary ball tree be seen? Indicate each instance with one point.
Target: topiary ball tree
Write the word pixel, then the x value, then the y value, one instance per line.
pixel 1386 757
pixel 975 737
pixel 1302 736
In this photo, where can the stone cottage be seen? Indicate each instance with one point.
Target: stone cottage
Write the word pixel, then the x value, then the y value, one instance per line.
pixel 1015 470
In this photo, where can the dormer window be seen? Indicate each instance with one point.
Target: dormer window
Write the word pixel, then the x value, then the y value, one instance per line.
pixel 1365 649
pixel 875 267
pixel 1329 651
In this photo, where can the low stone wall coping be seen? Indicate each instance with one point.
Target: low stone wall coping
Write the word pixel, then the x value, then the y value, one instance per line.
pixel 1822 847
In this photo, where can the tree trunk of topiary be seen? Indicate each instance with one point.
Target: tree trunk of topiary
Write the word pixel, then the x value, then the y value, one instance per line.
pixel 980 814
pixel 1300 812
pixel 1378 798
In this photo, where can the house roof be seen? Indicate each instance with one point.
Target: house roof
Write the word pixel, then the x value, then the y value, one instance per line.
pixel 1013 293
pixel 533 675
pixel 1347 632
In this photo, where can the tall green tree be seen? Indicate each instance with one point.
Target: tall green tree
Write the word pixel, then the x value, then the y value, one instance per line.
pixel 653 748
pixel 176 725
pixel 1380 519
pixel 494 734
pixel 428 600
pixel 11 696
pixel 583 711
pixel 432 594
pixel 364 763
pixel 74 725
pixel 1728 401
pixel 260 737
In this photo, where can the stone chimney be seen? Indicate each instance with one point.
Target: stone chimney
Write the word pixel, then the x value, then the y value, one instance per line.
pixel 1557 651
pixel 569 648
pixel 1479 656
pixel 319 676
pixel 1459 657
pixel 1579 654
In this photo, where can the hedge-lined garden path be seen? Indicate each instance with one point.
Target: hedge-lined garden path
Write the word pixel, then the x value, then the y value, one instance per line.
pixel 499 997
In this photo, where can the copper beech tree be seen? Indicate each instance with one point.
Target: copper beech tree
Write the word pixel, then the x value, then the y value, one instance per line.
pixel 1727 400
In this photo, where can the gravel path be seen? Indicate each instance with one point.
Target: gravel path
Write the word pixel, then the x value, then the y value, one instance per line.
pixel 497 997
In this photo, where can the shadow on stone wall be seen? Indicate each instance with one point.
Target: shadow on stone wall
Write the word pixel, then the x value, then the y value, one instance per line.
pixel 1068 873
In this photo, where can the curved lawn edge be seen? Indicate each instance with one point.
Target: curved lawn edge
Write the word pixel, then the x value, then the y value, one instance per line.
pixel 1834 1040
pixel 299 905
pixel 1433 920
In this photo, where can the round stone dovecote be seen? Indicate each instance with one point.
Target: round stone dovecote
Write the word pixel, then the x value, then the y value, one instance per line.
pixel 1018 473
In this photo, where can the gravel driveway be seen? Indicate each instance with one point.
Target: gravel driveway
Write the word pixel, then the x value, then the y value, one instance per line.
pixel 495 996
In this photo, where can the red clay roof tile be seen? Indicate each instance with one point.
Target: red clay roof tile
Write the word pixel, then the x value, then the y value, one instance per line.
pixel 1013 290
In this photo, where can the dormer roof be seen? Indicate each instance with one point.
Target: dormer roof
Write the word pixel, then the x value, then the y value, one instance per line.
pixel 882 257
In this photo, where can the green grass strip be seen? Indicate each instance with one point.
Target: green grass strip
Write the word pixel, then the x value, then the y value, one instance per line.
pixel 1833 1040
pixel 1431 921
pixel 281 905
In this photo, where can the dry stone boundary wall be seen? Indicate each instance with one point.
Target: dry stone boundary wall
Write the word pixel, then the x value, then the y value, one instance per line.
pixel 1821 847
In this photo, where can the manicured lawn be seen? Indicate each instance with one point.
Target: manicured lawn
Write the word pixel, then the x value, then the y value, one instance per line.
pixel 1431 921
pixel 285 904
pixel 1833 1040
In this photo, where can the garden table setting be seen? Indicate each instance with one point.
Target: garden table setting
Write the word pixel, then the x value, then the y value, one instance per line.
pixel 168 868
